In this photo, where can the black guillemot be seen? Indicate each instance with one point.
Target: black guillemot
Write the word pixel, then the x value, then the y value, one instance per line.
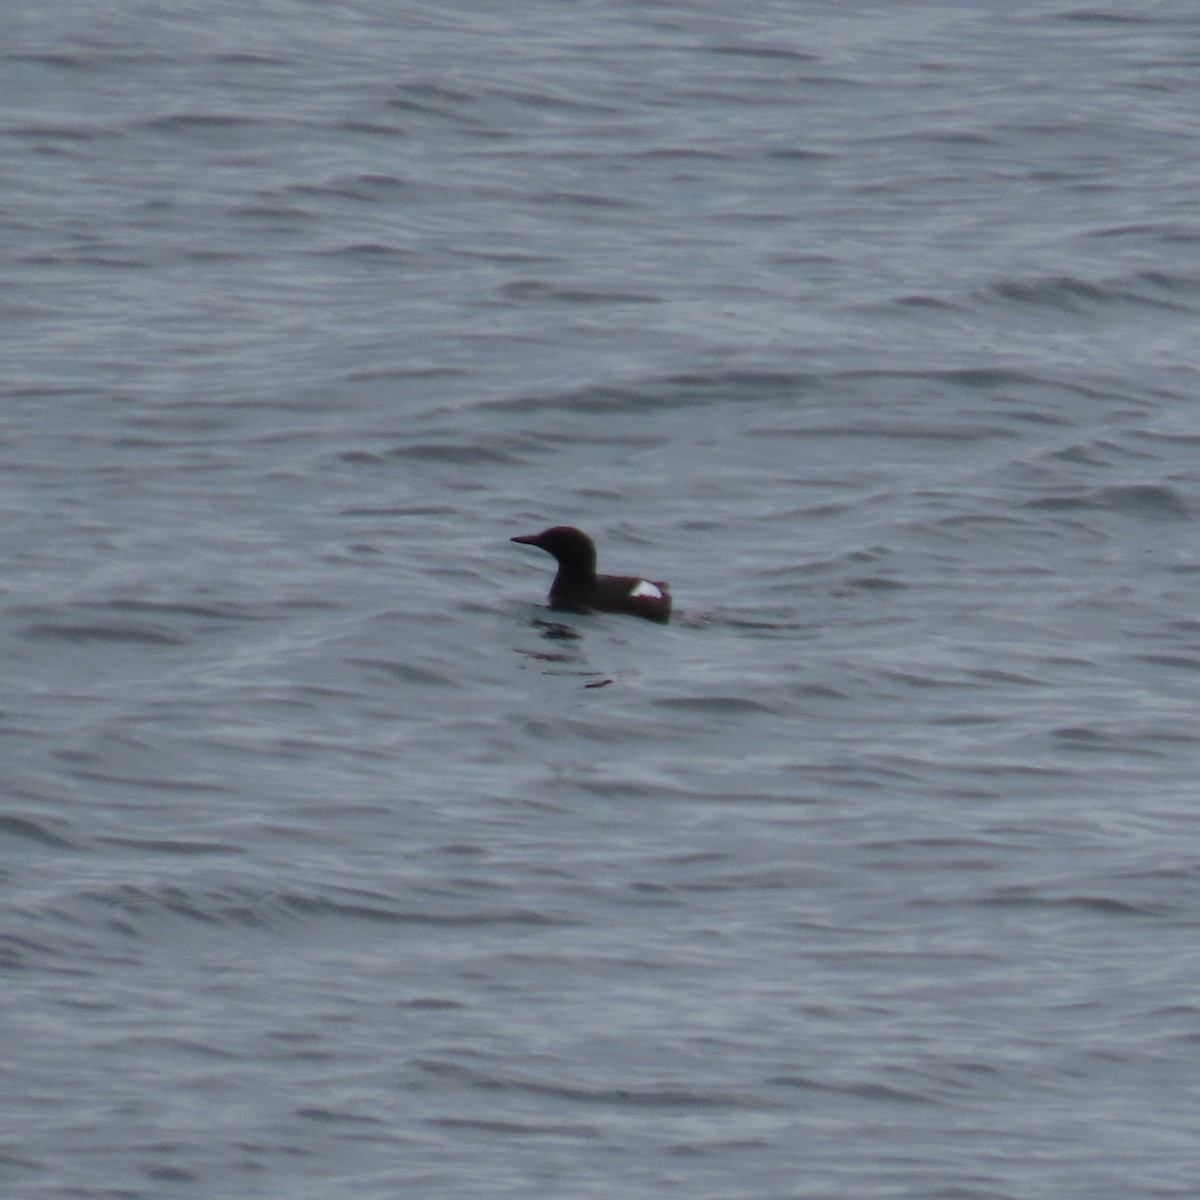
pixel 577 587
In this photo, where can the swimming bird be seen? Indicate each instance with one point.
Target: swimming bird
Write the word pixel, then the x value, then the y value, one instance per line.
pixel 577 587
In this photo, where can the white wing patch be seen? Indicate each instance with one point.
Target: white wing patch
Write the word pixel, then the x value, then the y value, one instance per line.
pixel 645 589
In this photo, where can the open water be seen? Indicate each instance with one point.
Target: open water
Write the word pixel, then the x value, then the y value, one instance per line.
pixel 332 867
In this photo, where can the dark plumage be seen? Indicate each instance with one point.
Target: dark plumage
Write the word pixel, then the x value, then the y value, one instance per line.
pixel 577 587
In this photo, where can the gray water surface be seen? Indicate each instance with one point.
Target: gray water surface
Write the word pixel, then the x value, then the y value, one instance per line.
pixel 335 865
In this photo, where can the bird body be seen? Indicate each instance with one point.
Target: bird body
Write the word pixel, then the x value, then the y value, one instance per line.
pixel 577 587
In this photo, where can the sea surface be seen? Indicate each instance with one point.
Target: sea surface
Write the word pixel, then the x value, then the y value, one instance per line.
pixel 333 864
